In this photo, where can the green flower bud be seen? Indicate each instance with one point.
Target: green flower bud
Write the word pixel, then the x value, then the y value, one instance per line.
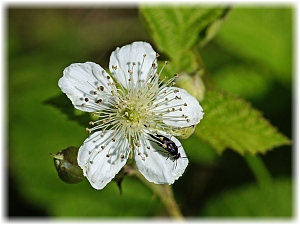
pixel 185 132
pixel 65 162
pixel 192 83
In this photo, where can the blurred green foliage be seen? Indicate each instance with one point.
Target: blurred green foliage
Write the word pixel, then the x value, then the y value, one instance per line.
pixel 276 199
pixel 250 57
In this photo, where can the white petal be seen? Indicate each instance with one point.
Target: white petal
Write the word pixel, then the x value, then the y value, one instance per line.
pixel 158 166
pixel 97 167
pixel 81 83
pixel 190 112
pixel 122 58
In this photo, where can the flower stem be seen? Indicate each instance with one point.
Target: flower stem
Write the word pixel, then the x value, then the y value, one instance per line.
pixel 165 193
pixel 259 170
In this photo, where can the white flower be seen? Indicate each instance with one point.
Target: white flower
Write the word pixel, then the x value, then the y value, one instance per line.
pixel 130 104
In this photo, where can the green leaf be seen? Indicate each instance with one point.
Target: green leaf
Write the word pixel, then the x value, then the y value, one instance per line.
pixel 263 34
pixel 232 123
pixel 64 105
pixel 176 30
pixel 252 201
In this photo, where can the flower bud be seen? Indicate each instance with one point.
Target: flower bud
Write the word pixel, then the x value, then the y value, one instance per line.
pixel 185 132
pixel 65 162
pixel 192 83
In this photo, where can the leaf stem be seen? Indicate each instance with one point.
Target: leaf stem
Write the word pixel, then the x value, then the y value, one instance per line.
pixel 259 170
pixel 165 193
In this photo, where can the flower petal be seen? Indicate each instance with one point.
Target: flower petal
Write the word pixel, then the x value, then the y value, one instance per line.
pixel 123 58
pixel 101 158
pixel 180 109
pixel 158 166
pixel 86 85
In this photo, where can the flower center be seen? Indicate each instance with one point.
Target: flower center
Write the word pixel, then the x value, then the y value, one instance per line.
pixel 135 113
pixel 133 116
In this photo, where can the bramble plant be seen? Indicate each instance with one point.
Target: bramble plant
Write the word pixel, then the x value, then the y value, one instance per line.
pixel 164 109
pixel 134 108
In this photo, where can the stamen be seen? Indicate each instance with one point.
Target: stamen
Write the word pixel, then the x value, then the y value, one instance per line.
pixel 100 88
pixel 88 130
pixel 99 101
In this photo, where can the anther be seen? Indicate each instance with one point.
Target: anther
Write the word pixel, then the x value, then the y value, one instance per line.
pixel 95 92
pixel 99 101
pixel 108 77
pixel 107 155
pixel 185 104
pixel 100 88
pixel 122 156
pixel 102 146
pixel 138 144
pixel 88 130
pixel 91 123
